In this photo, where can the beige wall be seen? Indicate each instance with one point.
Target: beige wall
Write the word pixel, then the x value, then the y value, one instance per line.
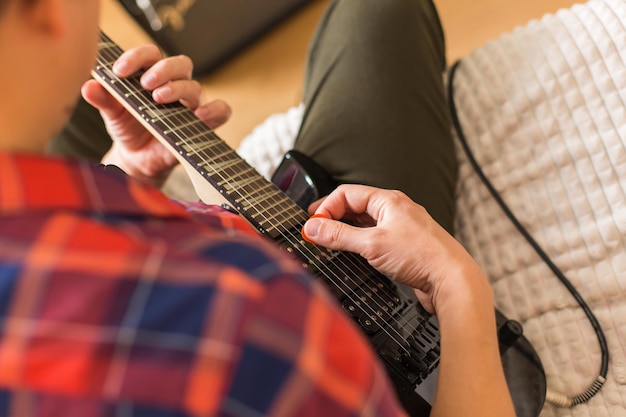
pixel 266 78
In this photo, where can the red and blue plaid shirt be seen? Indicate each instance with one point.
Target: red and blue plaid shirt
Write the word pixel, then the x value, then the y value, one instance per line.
pixel 115 301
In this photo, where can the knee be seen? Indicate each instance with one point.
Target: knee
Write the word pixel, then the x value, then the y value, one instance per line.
pixel 411 23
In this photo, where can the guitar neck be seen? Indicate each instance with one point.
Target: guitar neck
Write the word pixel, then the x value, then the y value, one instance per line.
pixel 258 200
pixel 405 336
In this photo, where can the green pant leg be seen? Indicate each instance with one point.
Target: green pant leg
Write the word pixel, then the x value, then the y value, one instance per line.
pixel 375 109
pixel 83 137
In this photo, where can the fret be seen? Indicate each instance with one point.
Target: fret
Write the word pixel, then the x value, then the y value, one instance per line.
pixel 254 193
pixel 252 184
pixel 255 182
pixel 132 93
pixel 277 209
pixel 160 114
pixel 219 152
pixel 239 166
pixel 276 204
pixel 196 141
pixel 216 165
pixel 113 51
pixel 275 230
pixel 261 194
pixel 262 199
pixel 197 144
pixel 289 221
pixel 241 174
pixel 200 138
pixel 187 133
pixel 293 220
pixel 106 63
pixel 183 126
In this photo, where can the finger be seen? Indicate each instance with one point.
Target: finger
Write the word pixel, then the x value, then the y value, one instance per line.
pixel 99 97
pixel 313 228
pixel 163 71
pixel 351 199
pixel 363 220
pixel 334 234
pixel 136 59
pixel 188 92
pixel 214 113
pixel 315 205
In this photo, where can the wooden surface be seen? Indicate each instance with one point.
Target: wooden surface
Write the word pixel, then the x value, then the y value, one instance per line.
pixel 266 78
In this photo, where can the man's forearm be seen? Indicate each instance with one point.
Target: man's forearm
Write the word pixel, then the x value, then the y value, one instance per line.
pixel 471 379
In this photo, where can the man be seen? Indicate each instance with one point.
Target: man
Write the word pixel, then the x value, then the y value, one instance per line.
pixel 117 301
pixel 375 110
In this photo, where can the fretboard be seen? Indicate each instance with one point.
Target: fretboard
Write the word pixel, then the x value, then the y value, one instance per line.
pixel 253 196
pixel 387 314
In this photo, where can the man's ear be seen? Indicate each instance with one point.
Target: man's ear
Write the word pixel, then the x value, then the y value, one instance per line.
pixel 47 16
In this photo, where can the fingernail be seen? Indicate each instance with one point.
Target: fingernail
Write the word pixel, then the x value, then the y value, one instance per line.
pixel 120 68
pixel 312 227
pixel 203 113
pixel 163 93
pixel 148 80
pixel 214 111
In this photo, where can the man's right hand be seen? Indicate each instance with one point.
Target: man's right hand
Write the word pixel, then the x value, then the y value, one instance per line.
pixel 398 238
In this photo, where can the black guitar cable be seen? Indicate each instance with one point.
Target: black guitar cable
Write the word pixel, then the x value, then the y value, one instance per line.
pixel 556 398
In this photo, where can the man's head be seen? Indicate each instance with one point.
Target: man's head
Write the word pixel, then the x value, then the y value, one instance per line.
pixel 47 48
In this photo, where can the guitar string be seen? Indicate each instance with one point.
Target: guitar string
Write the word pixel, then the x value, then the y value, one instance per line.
pixel 283 203
pixel 286 233
pixel 347 295
pixel 147 105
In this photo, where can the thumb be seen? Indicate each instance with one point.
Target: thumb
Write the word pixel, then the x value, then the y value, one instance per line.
pixel 99 97
pixel 332 234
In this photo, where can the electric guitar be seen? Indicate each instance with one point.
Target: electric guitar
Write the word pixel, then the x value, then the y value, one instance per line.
pixel 403 334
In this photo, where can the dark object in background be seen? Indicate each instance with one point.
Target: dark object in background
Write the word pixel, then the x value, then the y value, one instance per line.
pixel 208 31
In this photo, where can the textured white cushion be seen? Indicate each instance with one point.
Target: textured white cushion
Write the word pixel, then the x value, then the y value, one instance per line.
pixel 266 145
pixel 544 110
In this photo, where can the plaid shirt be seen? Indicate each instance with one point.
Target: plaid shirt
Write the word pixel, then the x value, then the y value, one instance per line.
pixel 115 301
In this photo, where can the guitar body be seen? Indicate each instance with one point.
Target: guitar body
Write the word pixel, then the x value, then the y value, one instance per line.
pixel 404 335
pixel 304 181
